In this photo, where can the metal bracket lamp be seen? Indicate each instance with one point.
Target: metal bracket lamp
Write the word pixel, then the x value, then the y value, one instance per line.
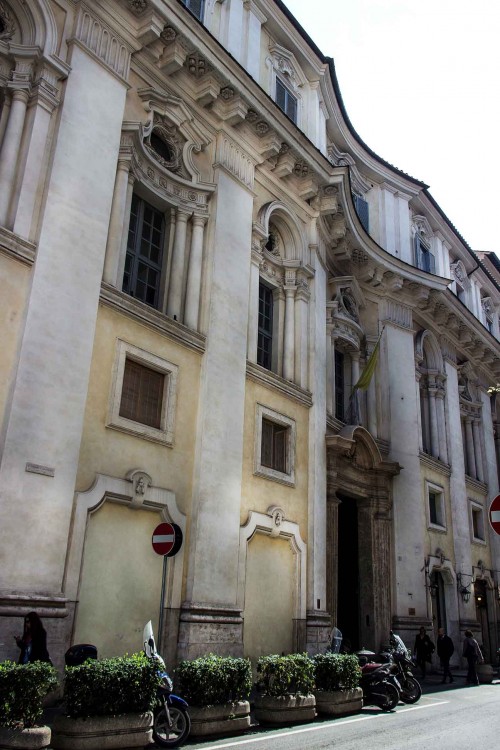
pixel 464 588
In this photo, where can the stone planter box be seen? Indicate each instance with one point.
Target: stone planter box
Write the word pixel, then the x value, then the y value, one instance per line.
pixel 102 732
pixel 285 709
pixel 34 738
pixel 221 719
pixel 339 702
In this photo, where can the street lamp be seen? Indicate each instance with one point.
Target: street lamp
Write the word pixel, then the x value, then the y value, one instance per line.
pixel 464 588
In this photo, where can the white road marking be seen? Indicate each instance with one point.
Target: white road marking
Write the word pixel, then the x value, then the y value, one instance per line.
pixel 318 727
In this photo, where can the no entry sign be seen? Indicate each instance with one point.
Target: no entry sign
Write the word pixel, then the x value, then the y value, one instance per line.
pixel 495 515
pixel 167 539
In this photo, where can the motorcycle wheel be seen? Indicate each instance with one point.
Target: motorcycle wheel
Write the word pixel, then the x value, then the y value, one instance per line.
pixel 386 696
pixel 410 690
pixel 171 736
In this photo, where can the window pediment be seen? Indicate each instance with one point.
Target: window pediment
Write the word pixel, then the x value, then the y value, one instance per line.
pixel 285 64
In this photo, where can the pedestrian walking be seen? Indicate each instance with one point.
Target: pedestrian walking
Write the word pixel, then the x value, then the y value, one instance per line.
pixel 33 642
pixel 423 650
pixel 445 649
pixel 473 654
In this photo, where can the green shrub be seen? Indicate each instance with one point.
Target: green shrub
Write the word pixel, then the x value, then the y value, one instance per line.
pixel 22 689
pixel 336 671
pixel 111 686
pixel 285 675
pixel 211 680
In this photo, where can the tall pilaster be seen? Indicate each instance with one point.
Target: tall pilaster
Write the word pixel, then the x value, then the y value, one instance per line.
pixel 174 300
pixel 193 288
pixel 116 222
pixel 9 156
pixel 289 338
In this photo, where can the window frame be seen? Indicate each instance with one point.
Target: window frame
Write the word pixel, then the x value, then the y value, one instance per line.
pixel 289 96
pixel 270 415
pixel 187 4
pixel 440 511
pixel 137 256
pixel 476 509
pixel 425 260
pixel 263 333
pixel 165 433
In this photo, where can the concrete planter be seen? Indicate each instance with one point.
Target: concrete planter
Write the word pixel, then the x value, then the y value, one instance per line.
pixel 102 732
pixel 339 702
pixel 34 738
pixel 285 709
pixel 221 719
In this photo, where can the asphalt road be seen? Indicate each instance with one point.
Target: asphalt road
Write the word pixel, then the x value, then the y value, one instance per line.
pixel 446 718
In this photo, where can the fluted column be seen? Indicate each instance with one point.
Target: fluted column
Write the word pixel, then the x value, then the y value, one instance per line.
pixel 289 336
pixel 116 222
pixel 332 548
pixel 193 289
pixel 253 304
pixel 177 271
pixel 478 453
pixel 9 155
pixel 354 368
pixel 469 444
pixel 4 117
pixel 434 421
pixel 301 336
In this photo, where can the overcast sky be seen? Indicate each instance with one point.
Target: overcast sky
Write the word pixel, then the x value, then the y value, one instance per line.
pixel 420 80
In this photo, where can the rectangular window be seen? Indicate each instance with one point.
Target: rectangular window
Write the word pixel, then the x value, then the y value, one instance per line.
pixel 142 394
pixel 477 523
pixel 435 500
pixel 273 449
pixel 143 261
pixel 196 7
pixel 286 101
pixel 274 446
pixel 339 385
pixel 265 327
pixel 361 207
pixel 424 259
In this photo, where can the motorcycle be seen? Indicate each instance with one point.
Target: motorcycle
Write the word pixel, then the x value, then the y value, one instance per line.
pixel 380 687
pixel 402 667
pixel 171 721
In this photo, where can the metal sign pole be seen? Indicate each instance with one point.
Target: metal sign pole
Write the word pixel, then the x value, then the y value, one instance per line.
pixel 162 604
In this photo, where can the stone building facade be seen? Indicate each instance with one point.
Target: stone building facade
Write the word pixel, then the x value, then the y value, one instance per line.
pixel 198 255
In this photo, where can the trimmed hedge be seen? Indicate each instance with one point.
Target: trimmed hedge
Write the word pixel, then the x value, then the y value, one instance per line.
pixel 213 680
pixel 285 675
pixel 22 689
pixel 108 687
pixel 336 671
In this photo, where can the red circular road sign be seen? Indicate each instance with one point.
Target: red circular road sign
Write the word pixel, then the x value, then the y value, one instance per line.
pixel 163 539
pixel 494 515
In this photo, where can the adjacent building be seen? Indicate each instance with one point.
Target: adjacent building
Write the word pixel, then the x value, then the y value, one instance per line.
pixel 198 257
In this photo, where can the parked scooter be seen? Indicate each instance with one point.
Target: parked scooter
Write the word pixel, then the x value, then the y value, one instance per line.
pixel 402 667
pixel 380 686
pixel 171 721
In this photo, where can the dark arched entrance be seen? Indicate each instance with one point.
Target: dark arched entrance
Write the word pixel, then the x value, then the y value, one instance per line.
pixel 359 536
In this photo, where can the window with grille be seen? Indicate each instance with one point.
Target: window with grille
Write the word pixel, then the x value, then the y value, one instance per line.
pixel 265 327
pixel 273 450
pixel 286 101
pixel 142 394
pixel 143 261
pixel 274 456
pixel 196 7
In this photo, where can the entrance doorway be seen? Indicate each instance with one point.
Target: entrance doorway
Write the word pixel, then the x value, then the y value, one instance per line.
pixel 348 611
pixel 481 599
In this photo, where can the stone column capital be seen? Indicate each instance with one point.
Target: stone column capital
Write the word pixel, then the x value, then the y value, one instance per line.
pixel 199 221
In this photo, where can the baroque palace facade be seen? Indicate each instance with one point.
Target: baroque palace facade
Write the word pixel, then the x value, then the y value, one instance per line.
pixel 198 255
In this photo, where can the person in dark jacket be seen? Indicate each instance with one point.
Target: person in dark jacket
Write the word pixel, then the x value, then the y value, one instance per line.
pixel 423 650
pixel 445 649
pixel 473 654
pixel 33 642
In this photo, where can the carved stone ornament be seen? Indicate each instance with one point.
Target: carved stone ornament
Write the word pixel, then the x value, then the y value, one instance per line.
pixel 169 134
pixel 7 23
pixel 197 65
pixel 137 6
pixel 349 304
pixel 141 481
pixel 169 34
pixel 487 304
pixel 227 93
pixel 278 516
pixel 459 273
pixel 301 169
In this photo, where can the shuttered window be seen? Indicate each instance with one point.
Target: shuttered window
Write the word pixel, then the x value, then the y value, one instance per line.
pixel 142 394
pixel 273 448
pixel 286 101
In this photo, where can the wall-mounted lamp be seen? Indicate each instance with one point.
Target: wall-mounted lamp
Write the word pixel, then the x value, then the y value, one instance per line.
pixel 464 588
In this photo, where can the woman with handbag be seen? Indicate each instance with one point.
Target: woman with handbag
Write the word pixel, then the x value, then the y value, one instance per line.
pixel 473 654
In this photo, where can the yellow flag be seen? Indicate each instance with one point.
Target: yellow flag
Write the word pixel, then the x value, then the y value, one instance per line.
pixel 369 368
